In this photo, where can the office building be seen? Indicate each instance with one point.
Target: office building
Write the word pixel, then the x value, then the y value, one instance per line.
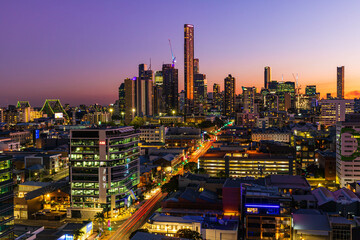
pixel 159 78
pixel 248 99
pixel 6 199
pixel 144 91
pixel 121 102
pixel 267 212
pixel 152 134
pixel 229 96
pixel 196 66
pixel 334 110
pixel 158 92
pixel 200 93
pixel 104 169
pixel 267 77
pixel 347 151
pixel 310 90
pixel 170 88
pixel 130 100
pixel 189 67
pixel 340 82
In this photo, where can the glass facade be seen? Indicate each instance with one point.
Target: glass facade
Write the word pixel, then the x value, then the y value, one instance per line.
pixel 116 152
pixel 6 199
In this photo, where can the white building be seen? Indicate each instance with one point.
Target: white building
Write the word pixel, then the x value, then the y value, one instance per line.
pixel 334 110
pixel 6 144
pixel 347 152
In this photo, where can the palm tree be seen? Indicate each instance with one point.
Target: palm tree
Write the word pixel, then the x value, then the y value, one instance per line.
pixel 78 233
pixel 100 219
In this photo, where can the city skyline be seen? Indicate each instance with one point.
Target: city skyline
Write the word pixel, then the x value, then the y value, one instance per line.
pixel 53 50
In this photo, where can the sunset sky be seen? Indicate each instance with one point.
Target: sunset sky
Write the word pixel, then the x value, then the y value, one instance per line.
pixel 80 51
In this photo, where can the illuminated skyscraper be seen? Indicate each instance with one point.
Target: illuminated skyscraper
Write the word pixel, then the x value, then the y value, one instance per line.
pixel 144 91
pixel 310 90
pixel 170 88
pixel 229 96
pixel 189 67
pixel 267 77
pixel 196 66
pixel 130 107
pixel 340 82
pixel 200 93
pixel 249 99
pixel 216 96
pixel 6 199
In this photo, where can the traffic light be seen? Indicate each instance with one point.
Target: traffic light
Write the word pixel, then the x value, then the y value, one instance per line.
pixel 110 228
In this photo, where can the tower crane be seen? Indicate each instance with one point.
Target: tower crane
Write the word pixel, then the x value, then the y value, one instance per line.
pixel 173 59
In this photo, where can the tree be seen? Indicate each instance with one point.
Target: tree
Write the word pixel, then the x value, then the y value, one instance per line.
pixel 190 234
pixel 222 174
pixel 137 122
pixel 171 186
pixel 200 171
pixel 100 219
pixel 190 166
pixel 78 233
pixel 145 230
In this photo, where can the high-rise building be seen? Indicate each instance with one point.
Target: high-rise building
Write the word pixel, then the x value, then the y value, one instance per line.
pixel 6 199
pixel 334 110
pixel 310 90
pixel 200 93
pixel 170 86
pixel 104 170
pixel 267 76
pixel 144 92
pixel 189 67
pixel 196 66
pixel 159 79
pixel 229 95
pixel 130 100
pixel 122 99
pixel 216 96
pixel 348 151
pixel 248 99
pixel 340 82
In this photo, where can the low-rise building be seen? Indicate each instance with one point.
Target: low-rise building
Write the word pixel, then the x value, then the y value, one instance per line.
pixel 152 134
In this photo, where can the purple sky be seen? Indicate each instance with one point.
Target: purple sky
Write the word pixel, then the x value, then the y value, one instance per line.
pixel 80 51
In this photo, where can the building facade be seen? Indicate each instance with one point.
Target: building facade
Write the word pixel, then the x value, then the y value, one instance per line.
pixel 104 169
pixel 340 82
pixel 189 67
pixel 229 95
pixel 334 110
pixel 6 199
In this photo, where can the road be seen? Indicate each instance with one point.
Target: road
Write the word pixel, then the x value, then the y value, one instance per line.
pixel 138 218
pixel 60 175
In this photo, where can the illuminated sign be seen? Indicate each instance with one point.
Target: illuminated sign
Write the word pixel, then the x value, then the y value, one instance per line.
pixel 59 115
pixel 261 206
pixel 102 142
pixel 89 227
pixel 37 134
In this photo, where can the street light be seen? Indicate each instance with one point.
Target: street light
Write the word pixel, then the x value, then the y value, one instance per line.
pixel 173 112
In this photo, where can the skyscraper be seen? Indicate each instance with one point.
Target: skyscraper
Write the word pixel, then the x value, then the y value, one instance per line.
pixel 130 107
pixel 216 96
pixel 158 88
pixel 340 82
pixel 189 67
pixel 310 90
pixel 144 91
pixel 170 88
pixel 196 66
pixel 200 93
pixel 249 99
pixel 229 95
pixel 267 76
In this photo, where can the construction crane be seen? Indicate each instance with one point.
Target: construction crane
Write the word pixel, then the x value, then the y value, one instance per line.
pixel 173 59
pixel 297 90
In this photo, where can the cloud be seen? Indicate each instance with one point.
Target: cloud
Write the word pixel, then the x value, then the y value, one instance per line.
pixel 353 94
